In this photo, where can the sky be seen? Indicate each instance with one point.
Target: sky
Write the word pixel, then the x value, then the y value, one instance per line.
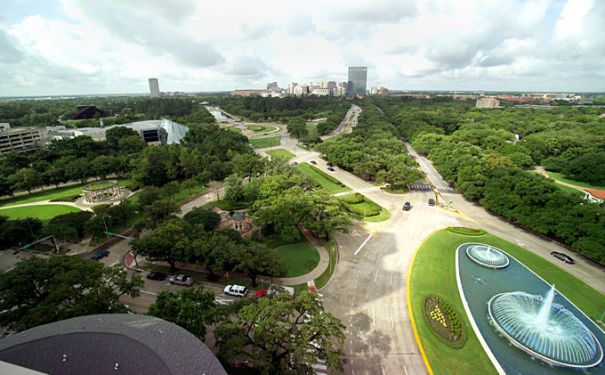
pixel 65 47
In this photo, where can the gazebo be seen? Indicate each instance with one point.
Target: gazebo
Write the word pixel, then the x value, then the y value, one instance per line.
pixel 102 191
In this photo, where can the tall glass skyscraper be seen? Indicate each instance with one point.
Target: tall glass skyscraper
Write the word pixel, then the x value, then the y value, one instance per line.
pixel 154 88
pixel 358 76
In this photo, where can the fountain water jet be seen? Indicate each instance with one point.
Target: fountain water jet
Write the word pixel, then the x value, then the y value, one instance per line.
pixel 544 329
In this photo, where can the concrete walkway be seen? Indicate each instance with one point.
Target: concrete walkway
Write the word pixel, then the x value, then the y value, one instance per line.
pixel 46 203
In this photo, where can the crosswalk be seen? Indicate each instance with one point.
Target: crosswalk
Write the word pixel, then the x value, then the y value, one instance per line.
pixel 427 187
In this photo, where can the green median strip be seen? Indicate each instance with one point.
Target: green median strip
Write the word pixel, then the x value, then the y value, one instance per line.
pixel 281 154
pixel 329 183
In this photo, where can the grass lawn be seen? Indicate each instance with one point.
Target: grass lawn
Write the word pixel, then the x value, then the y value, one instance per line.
pixel 265 142
pixel 329 183
pixel 561 177
pixel 52 194
pixel 434 272
pixel 43 212
pixel 357 210
pixel 281 153
pixel 262 128
pixel 234 129
pixel 300 258
pixel 312 128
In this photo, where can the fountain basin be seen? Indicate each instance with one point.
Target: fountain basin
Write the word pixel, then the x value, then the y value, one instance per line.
pixel 559 338
pixel 487 256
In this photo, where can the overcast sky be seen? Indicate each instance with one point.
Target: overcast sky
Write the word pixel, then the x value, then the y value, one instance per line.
pixel 55 47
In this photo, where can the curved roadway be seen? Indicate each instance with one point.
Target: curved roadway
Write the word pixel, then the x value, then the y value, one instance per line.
pixel 368 289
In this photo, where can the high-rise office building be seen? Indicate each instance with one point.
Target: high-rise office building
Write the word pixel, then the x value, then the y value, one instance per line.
pixel 154 88
pixel 358 76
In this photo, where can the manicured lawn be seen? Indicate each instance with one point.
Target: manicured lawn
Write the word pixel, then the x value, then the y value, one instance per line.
pixel 52 194
pixel 281 153
pixel 312 128
pixel 562 178
pixel 300 258
pixel 265 142
pixel 262 128
pixel 43 212
pixel 234 129
pixel 434 272
pixel 361 210
pixel 329 183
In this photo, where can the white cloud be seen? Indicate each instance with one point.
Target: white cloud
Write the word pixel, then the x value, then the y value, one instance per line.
pixel 114 46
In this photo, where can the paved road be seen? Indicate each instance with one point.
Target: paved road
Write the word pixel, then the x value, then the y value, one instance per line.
pixel 348 122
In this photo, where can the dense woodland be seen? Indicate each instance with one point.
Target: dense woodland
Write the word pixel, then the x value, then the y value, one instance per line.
pixel 373 151
pixel 257 108
pixel 478 151
pixel 40 113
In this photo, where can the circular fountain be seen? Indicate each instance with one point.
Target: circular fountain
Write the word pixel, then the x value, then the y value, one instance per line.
pixel 487 256
pixel 544 329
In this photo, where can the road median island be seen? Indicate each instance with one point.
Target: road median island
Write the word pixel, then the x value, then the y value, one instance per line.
pixel 329 183
pixel 364 209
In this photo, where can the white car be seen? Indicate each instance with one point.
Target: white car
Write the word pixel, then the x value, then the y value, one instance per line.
pixel 181 279
pixel 236 290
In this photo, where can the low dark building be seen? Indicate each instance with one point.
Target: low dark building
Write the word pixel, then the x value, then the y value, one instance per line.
pixel 109 344
pixel 88 112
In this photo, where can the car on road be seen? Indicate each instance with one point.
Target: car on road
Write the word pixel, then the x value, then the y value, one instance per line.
pixel 564 257
pixel 236 290
pixel 407 206
pixel 181 279
pixel 157 276
pixel 313 162
pixel 331 169
pixel 431 202
pixel 100 254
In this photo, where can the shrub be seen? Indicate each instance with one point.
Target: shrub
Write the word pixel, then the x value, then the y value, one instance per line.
pixel 362 209
pixel 352 198
pixel 466 231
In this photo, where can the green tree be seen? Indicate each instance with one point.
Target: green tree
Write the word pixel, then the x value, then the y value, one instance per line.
pixel 193 309
pixel 169 243
pixel 297 128
pixel 26 179
pixel 39 291
pixel 282 335
pixel 203 217
pixel 255 261
pixel 248 165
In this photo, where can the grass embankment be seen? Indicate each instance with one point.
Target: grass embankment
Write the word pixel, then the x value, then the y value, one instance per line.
pixel 234 129
pixel 362 208
pixel 434 272
pixel 561 177
pixel 323 279
pixel 329 183
pixel 312 129
pixel 52 194
pixel 42 212
pixel 265 142
pixel 280 153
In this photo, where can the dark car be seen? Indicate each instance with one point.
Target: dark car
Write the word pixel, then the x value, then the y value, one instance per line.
pixel 407 206
pixel 564 257
pixel 100 254
pixel 330 165
pixel 157 276
pixel 431 202
pixel 331 169
pixel 313 162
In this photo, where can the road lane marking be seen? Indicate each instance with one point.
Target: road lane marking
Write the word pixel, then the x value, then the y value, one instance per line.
pixel 150 293
pixel 405 369
pixel 392 320
pixel 363 244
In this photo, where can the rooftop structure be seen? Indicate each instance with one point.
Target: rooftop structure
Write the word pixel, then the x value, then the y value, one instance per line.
pixel 87 112
pixel 110 343
pixel 251 92
pixel 152 131
pixel 154 88
pixel 487 102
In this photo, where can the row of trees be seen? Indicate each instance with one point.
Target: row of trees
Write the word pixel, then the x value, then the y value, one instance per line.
pixel 486 163
pixel 373 151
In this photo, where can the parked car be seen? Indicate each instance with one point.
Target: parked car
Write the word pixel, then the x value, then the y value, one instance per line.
pixel 407 206
pixel 313 162
pixel 236 290
pixel 564 257
pixel 100 254
pixel 157 276
pixel 182 280
pixel 431 202
pixel 331 169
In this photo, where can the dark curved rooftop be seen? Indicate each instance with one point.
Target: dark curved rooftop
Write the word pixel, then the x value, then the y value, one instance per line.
pixel 110 344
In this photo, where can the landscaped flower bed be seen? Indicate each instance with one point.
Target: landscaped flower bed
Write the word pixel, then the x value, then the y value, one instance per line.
pixel 466 231
pixel 444 321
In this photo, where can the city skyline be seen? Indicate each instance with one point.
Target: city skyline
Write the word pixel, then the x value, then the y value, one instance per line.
pixel 498 46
